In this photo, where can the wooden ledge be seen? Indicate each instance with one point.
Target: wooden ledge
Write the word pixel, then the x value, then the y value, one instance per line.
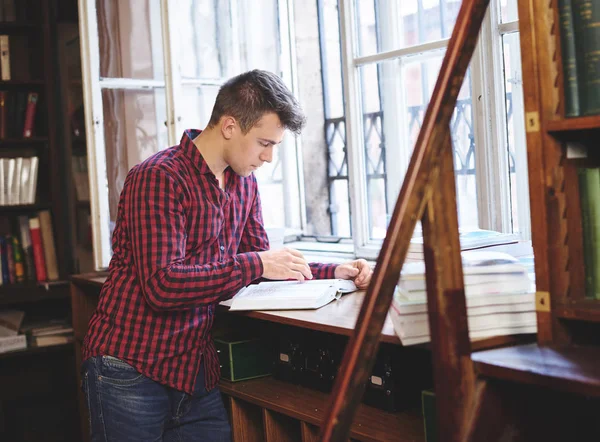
pixel 572 369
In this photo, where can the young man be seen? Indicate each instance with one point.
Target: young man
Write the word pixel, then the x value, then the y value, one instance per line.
pixel 189 234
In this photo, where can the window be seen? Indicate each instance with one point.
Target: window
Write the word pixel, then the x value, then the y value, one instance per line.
pixel 153 68
pixel 364 71
pixel 390 53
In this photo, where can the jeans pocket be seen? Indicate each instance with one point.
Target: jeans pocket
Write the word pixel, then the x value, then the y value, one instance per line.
pixel 117 372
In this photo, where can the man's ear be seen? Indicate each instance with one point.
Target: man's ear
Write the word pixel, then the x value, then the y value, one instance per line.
pixel 228 127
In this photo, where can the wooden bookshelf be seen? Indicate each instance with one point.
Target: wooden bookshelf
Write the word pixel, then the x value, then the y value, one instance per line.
pixel 548 390
pixel 45 380
pixel 307 406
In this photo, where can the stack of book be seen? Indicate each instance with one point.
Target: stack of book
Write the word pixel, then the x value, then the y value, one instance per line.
pixel 10 339
pixel 48 332
pixel 499 290
pixel 469 239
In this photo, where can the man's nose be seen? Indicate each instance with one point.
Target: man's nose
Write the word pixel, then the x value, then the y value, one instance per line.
pixel 267 154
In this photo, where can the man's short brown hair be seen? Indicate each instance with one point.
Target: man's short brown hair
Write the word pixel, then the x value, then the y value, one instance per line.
pixel 248 96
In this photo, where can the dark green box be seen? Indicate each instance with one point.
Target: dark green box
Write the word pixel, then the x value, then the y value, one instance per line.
pixel 429 415
pixel 242 359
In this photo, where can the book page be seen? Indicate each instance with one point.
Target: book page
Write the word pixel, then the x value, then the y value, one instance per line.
pixel 291 291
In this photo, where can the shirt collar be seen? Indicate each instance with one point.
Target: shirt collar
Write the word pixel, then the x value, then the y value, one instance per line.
pixel 191 151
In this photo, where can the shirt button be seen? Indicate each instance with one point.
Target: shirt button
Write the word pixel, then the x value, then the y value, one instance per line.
pixel 222 248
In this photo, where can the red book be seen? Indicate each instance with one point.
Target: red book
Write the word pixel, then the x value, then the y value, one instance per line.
pixel 3 103
pixel 38 249
pixel 32 98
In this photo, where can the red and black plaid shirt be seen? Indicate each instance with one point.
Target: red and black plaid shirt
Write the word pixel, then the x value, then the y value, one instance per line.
pixel 181 245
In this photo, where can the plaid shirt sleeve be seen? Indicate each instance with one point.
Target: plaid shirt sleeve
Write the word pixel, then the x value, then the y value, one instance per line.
pixel 157 222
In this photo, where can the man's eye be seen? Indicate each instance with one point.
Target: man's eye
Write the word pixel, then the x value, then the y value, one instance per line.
pixel 264 144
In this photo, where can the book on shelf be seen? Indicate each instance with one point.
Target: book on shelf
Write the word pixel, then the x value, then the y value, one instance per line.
pixel 289 295
pixel 499 293
pixel 469 239
pixel 29 119
pixel 484 270
pixel 47 341
pixel 589 196
pixel 10 323
pixel 5 57
pixel 487 316
pixel 569 58
pixel 47 332
pixel 18 180
pixel 586 43
pixel 47 233
pixel 27 247
pixel 38 249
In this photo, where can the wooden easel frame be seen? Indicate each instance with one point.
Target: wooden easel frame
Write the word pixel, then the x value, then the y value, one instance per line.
pixel 428 193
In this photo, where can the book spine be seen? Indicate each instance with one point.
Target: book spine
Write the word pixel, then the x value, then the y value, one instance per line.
pixel 27 247
pixel 586 232
pixel 28 125
pixel 3 104
pixel 19 260
pixel 48 243
pixel 586 26
pixel 38 249
pixel 5 276
pixel 592 205
pixel 10 258
pixel 569 59
pixel 4 57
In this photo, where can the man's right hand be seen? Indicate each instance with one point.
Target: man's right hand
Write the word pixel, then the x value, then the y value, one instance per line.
pixel 285 264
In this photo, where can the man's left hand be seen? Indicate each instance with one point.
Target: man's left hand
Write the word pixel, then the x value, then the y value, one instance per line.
pixel 358 270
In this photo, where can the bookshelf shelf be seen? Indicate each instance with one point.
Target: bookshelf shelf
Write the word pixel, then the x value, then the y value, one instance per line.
pixel 582 310
pixel 21 83
pixel 571 369
pixel 30 351
pixel 574 129
pixel 12 141
pixel 32 292
pixel 23 208
pixel 309 405
pixel 18 26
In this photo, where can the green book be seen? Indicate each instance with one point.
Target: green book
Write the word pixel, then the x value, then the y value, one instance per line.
pixel 429 415
pixel 569 59
pixel 586 26
pixel 589 193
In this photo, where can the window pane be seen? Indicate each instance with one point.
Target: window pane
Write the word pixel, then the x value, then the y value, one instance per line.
pixel 384 25
pixel 134 129
pixel 214 42
pixel 197 106
pixel 270 185
pixel 129 34
pixel 390 132
pixel 508 11
pixel 331 59
pixel 516 149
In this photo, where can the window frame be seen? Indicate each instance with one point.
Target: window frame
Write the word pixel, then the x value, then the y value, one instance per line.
pixel 490 127
pixel 173 85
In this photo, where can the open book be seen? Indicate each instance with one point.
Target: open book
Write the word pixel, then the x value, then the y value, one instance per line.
pixel 289 295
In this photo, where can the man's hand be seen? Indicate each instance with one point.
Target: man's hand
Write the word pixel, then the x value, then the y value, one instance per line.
pixel 358 270
pixel 285 264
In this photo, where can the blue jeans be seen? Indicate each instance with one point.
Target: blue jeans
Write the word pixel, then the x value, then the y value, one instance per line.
pixel 125 405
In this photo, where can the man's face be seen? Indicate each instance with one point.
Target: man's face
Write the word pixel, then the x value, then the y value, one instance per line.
pixel 246 153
